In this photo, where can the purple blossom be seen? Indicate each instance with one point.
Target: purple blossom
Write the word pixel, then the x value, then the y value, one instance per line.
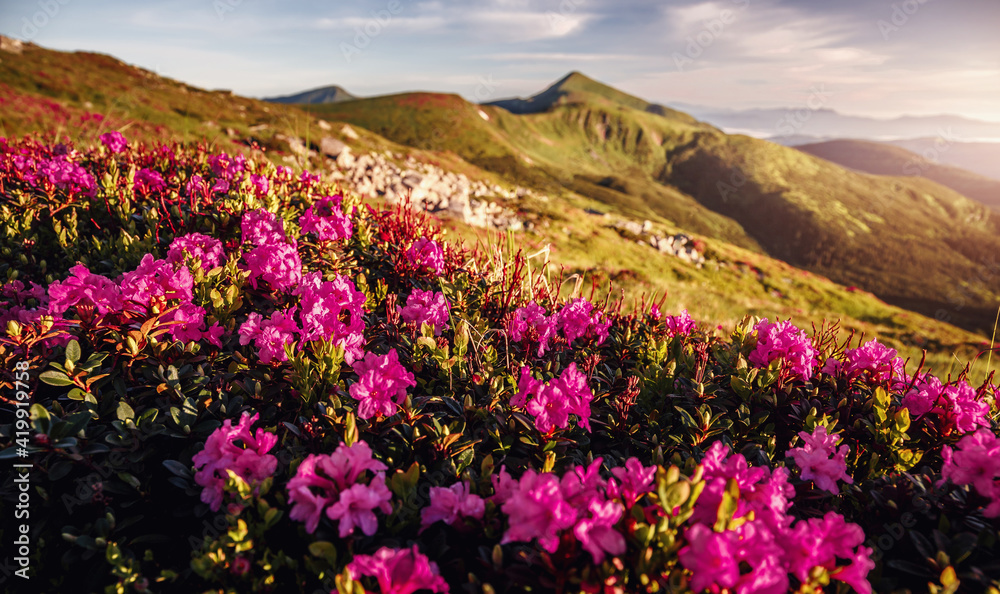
pixel 252 463
pixel 114 140
pixel 426 307
pixel 326 220
pixel 382 383
pixel 783 341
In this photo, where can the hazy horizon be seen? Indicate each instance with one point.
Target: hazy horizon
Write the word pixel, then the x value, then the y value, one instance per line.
pixel 885 60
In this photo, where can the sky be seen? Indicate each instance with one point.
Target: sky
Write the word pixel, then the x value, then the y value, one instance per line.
pixel 863 57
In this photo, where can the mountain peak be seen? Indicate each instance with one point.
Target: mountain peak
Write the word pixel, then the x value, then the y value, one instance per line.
pixel 577 87
pixel 328 94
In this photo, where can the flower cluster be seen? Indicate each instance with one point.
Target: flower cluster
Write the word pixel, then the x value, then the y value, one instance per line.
pixel 147 182
pixel 576 319
pixel 207 250
pixel 261 227
pixel 820 460
pixel 335 485
pixel 84 288
pixel 333 311
pixel 976 462
pixel 426 255
pixel 452 505
pixel 222 453
pixel 955 405
pixel 58 173
pixel 426 307
pixel 399 571
pixel 115 142
pixel 767 549
pixel 551 404
pixel 381 385
pixel 680 325
pixel 875 360
pixel 783 341
pixel 326 220
pixel 269 335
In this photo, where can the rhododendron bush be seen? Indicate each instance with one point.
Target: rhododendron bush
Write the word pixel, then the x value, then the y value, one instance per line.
pixel 243 380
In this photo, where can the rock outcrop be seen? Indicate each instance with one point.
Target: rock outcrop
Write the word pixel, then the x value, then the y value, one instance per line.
pixel 680 245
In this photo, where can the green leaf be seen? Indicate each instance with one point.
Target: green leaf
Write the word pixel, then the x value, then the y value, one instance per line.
pixel 324 550
pixel 73 351
pixel 125 411
pixel 177 468
pixel 730 501
pixel 41 418
pixel 55 378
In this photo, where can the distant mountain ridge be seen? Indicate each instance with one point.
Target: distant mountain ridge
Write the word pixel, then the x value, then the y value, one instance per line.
pixel 329 94
pixel 886 159
pixel 825 122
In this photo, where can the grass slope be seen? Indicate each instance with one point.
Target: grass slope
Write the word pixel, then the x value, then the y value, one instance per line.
pixel 599 157
pixel 911 241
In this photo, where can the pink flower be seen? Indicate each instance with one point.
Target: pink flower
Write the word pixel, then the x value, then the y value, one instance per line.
pixel 425 254
pixel 527 387
pixel 711 558
pixel 147 182
pixel 426 307
pixel 276 263
pixel 382 381
pixel 84 288
pixel 227 167
pixel 976 462
pixel 597 533
pixel 185 322
pixel 504 486
pixel 114 140
pixel 577 319
pixel 356 506
pixel 270 335
pixel 195 186
pixel 261 227
pixel 452 505
pixel 955 405
pixel 399 571
pixel 784 341
pixel 252 463
pixel 634 481
pixel 537 510
pixel 682 324
pixel 554 402
pixel 333 311
pixel 876 360
pixel 260 185
pixel 320 479
pixel 581 486
pixel 203 248
pixel 820 460
pixel 326 220
pixel 156 281
pixel 530 323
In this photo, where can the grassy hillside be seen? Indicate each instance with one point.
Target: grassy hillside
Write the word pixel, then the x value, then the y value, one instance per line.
pixel 589 156
pixel 884 159
pixel 909 240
